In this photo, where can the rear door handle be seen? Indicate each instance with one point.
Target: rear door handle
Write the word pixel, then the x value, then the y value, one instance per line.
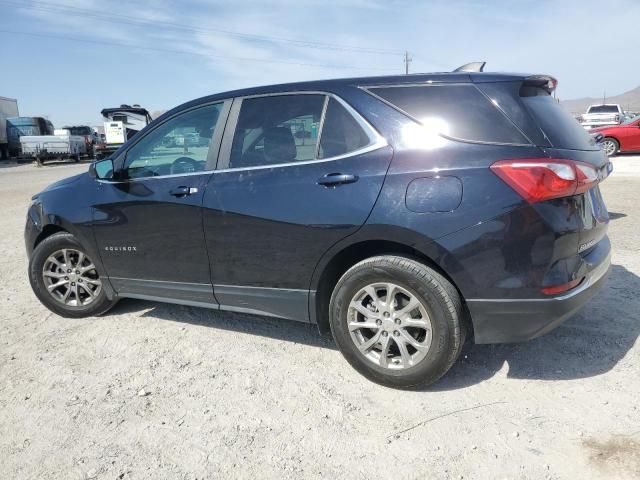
pixel 183 191
pixel 334 179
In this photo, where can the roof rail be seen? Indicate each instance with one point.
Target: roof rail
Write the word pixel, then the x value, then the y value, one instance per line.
pixel 471 67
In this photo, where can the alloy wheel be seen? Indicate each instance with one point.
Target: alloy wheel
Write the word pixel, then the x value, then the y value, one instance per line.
pixel 609 147
pixel 71 278
pixel 389 326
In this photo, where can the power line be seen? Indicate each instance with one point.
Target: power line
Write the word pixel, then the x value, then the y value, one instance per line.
pixel 186 52
pixel 119 18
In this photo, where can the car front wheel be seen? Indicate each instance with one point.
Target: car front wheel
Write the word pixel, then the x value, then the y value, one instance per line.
pixel 397 321
pixel 65 279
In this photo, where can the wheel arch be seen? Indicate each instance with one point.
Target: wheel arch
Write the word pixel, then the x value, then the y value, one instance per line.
pixel 336 262
pixel 47 231
pixel 48 224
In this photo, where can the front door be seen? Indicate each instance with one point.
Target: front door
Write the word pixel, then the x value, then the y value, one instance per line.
pixel 148 223
pixel 285 192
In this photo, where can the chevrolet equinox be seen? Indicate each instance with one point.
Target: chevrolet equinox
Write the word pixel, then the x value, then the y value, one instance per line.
pixel 403 213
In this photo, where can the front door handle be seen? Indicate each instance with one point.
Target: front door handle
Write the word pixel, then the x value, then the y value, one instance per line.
pixel 335 179
pixel 183 191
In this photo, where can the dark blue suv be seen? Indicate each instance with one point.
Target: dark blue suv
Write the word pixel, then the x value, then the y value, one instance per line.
pixel 405 214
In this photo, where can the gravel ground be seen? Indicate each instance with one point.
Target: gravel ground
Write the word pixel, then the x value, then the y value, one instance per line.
pixel 162 391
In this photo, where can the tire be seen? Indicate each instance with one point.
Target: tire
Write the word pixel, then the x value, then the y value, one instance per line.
pixel 610 146
pixel 86 305
pixel 437 298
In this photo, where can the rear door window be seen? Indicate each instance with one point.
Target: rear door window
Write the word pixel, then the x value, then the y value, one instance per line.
pixel 276 129
pixel 458 111
pixel 291 128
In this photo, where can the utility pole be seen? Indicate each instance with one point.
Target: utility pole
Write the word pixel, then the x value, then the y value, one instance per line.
pixel 407 61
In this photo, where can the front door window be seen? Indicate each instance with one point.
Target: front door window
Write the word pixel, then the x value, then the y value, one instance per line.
pixel 181 145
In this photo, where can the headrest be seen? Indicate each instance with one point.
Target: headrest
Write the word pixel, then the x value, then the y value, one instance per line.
pixel 279 144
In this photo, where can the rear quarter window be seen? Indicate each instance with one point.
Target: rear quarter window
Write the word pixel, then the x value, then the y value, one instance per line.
pixel 460 111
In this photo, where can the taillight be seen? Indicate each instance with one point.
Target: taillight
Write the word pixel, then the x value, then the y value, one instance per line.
pixel 587 177
pixel 540 179
pixel 565 287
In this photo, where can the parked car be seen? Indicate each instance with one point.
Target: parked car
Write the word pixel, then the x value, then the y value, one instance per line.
pixel 602 115
pixel 621 138
pixel 417 215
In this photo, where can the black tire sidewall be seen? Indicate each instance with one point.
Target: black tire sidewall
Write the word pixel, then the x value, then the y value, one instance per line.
pixel 445 323
pixel 44 249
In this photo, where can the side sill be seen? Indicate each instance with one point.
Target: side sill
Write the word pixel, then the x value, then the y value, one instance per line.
pixel 289 303
pixel 176 301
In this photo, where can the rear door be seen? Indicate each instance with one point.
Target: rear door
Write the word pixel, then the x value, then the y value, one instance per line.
pixel 296 174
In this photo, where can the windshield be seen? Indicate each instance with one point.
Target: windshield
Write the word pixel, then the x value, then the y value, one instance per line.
pixel 23 121
pixel 603 109
pixel 79 130
pixel 631 120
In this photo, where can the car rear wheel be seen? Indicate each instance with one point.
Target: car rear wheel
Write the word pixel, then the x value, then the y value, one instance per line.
pixel 397 321
pixel 610 146
pixel 65 279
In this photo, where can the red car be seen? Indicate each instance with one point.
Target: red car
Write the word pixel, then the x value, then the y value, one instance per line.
pixel 621 138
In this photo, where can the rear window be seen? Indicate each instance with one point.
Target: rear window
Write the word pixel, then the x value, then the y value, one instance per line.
pixel 603 109
pixel 460 111
pixel 562 130
pixel 79 130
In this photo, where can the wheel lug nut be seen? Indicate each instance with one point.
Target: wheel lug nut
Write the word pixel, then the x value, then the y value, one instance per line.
pixel 397 321
pixel 66 278
pixel 387 314
pixel 378 322
pixel 396 333
pixel 77 272
pixel 73 284
pixel 69 271
pixel 79 280
pixel 384 334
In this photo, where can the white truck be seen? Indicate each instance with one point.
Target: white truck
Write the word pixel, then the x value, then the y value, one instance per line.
pixel 8 108
pixel 602 116
pixel 59 145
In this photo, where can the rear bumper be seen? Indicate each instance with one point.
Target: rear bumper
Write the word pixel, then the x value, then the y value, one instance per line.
pixel 518 320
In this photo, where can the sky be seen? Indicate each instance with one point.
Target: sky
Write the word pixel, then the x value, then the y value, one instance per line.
pixel 68 59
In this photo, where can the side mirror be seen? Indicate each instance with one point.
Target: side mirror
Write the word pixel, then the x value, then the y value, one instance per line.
pixel 102 169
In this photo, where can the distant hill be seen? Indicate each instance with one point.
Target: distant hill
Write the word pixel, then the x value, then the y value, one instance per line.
pixel 630 101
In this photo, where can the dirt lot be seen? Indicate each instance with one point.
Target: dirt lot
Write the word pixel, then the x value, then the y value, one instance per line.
pixel 234 396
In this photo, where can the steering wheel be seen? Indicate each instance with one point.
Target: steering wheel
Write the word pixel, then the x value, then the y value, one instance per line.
pixel 183 165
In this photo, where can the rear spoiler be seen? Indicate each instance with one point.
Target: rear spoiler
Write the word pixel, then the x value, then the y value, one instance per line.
pixel 546 82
